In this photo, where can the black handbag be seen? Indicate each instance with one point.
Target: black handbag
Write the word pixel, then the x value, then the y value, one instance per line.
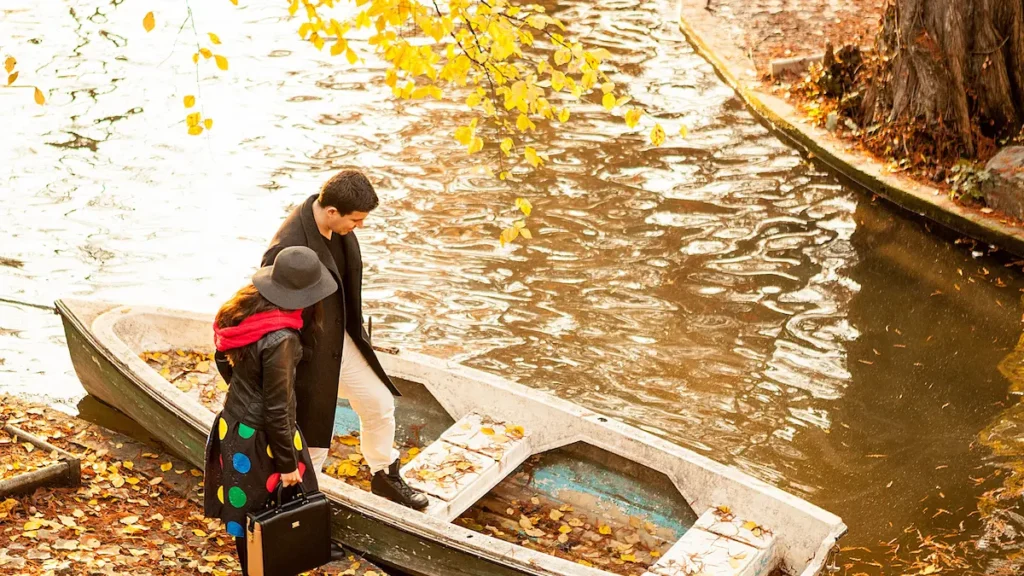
pixel 287 538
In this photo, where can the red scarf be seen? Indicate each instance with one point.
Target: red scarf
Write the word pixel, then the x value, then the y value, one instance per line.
pixel 254 327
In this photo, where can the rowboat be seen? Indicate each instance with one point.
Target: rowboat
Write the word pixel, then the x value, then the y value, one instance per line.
pixel 520 482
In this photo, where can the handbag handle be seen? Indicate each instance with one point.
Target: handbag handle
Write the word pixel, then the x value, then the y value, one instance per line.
pixel 278 492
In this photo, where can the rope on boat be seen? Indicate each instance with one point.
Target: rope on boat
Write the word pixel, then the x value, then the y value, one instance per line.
pixel 28 304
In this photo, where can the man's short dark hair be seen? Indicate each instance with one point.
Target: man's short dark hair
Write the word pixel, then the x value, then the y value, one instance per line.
pixel 348 191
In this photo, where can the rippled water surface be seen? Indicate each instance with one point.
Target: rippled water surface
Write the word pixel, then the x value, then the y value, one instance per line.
pixel 718 291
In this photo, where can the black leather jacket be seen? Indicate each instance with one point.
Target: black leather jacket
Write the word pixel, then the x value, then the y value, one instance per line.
pixel 262 392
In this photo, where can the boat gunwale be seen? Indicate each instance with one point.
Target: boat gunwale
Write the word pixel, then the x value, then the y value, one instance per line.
pixel 613 436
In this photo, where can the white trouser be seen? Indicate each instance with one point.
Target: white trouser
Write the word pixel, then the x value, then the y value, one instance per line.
pixel 372 402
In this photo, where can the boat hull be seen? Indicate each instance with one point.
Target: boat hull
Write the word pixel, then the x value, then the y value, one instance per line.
pixel 381 542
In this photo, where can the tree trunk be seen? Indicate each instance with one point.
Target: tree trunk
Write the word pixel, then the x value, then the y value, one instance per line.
pixel 952 67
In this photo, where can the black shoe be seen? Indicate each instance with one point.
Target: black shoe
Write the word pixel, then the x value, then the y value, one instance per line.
pixel 338 553
pixel 390 485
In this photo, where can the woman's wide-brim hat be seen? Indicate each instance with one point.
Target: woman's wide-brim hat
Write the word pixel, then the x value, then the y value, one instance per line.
pixel 296 280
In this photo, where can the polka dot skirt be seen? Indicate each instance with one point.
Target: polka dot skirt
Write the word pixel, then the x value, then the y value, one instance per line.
pixel 240 473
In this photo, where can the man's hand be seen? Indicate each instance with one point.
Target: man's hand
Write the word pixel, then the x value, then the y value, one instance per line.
pixel 291 478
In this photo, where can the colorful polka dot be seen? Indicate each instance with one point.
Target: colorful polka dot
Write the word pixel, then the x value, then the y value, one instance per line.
pixel 241 463
pixel 236 496
pixel 246 431
pixel 298 441
pixel 272 481
pixel 269 453
pixel 222 428
pixel 220 494
pixel 235 529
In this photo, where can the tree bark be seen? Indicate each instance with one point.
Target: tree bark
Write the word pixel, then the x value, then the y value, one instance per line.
pixel 952 67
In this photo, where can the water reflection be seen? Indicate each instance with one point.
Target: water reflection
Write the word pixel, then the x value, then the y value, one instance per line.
pixel 718 291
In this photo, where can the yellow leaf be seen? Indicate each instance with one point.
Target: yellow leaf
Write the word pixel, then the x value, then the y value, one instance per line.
pixel 204 365
pixel 190 121
pixel 338 47
pixel 165 466
pixel 683 131
pixel 293 7
pixel 205 52
pixel 39 97
pixel 748 525
pixel 506 146
pixel 562 56
pixel 222 386
pixel 116 481
pixel 487 431
pixel 565 529
pixel 605 529
pixel 657 135
pixel 523 123
pixel 351 56
pixel 149 22
pixel 221 61
pixel 209 124
pixel 129 520
pixel 128 465
pixel 133 481
pixel 476 144
pixel 557 80
pixel 195 58
pixel 633 116
pixel 190 101
pixel 608 101
pixel 199 533
pixel 464 135
pixel 531 156
pixel 563 115
pixel 9 64
pixel 235 2
pixel 526 233
pixel 214 38
pixel 12 78
pixel 156 481
pixel 627 558
pixel 349 440
pixel 33 525
pixel 195 130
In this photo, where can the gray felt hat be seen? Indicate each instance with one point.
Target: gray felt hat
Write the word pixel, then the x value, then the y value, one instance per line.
pixel 296 280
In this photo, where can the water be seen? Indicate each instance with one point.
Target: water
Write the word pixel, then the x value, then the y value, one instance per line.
pixel 718 291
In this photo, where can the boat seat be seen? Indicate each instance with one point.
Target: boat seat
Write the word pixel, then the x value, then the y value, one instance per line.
pixel 719 544
pixel 469 459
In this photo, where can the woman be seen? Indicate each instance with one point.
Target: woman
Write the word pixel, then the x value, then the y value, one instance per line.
pixel 254 444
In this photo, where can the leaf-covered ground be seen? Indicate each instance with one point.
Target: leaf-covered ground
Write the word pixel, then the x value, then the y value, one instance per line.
pixel 136 512
pixel 21 457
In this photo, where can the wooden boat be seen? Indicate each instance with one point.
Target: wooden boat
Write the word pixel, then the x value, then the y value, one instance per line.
pixel 574 482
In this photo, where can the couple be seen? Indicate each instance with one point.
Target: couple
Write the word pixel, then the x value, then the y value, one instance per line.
pixel 290 344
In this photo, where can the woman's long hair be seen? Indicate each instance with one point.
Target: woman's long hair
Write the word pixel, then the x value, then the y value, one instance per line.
pixel 249 301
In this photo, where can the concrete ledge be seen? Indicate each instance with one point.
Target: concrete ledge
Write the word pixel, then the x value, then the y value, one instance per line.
pixel 709 38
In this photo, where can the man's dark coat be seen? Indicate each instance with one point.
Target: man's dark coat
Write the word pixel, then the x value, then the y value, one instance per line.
pixel 316 379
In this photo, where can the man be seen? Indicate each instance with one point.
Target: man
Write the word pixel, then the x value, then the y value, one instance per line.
pixel 339 360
